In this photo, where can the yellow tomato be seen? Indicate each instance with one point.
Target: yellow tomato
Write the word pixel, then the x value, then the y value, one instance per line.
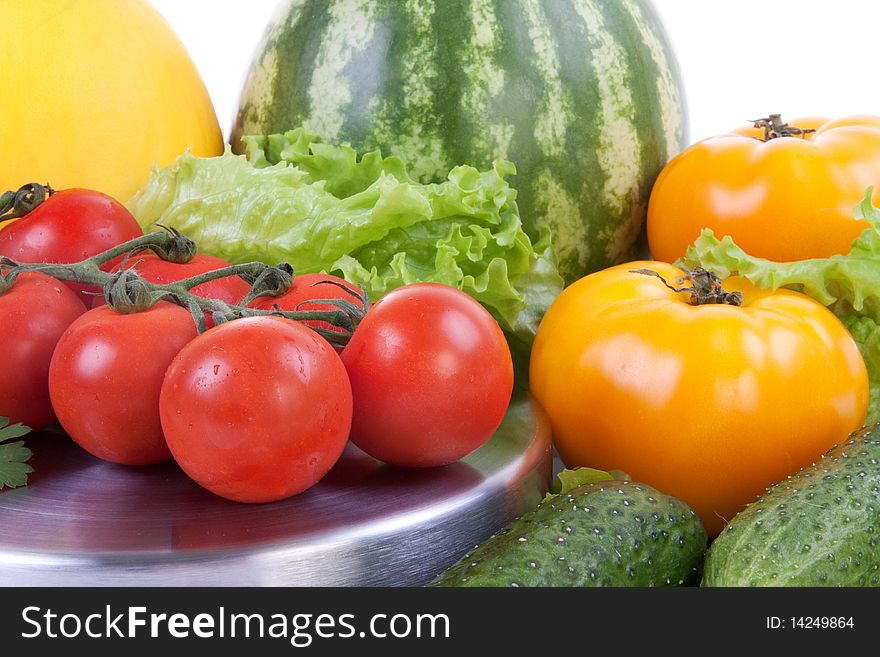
pixel 710 403
pixel 783 198
pixel 102 89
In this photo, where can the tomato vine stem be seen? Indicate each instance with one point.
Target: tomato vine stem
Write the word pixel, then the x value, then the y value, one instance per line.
pixel 705 287
pixel 126 291
pixel 14 205
pixel 774 128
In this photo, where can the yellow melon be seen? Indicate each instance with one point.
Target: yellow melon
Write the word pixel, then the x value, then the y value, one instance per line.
pixel 95 93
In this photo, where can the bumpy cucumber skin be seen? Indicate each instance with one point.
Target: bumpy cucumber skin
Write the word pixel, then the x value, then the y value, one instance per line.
pixel 819 527
pixel 613 533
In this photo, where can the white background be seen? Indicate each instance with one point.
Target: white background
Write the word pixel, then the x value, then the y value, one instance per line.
pixel 740 59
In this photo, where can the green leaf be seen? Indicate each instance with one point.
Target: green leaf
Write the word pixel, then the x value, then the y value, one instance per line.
pixel 13 456
pixel 848 284
pixel 342 173
pixel 567 480
pixel 322 207
pixel 866 333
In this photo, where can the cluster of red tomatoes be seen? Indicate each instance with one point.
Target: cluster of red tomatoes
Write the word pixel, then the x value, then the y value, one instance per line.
pixel 256 409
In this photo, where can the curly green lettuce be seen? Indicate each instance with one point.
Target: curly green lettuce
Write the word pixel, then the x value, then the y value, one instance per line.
pixel 321 207
pixel 848 284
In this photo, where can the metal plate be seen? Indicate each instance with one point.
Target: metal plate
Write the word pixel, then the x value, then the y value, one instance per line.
pixel 84 522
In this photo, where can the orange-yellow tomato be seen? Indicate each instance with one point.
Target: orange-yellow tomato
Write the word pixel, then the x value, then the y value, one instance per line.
pixel 710 403
pixel 787 198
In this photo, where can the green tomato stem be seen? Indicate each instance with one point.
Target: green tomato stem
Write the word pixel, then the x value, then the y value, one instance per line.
pixel 14 205
pixel 159 240
pixel 249 268
pixel 88 272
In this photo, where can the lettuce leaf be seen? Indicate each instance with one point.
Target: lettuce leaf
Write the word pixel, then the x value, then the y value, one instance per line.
pixel 848 284
pixel 320 207
pixel 338 166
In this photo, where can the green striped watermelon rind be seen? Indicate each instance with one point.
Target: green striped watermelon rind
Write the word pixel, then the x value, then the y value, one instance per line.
pixel 583 95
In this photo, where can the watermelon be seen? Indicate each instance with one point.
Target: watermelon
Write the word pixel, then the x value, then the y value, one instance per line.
pixel 583 96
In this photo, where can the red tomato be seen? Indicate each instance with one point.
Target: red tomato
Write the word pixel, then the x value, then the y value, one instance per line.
pixel 105 378
pixel 34 313
pixel 152 268
pixel 70 226
pixel 307 287
pixel 257 409
pixel 431 376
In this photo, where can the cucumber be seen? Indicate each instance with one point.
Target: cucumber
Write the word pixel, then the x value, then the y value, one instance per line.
pixel 819 527
pixel 610 533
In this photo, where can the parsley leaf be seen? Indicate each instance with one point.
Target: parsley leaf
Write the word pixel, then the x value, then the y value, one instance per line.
pixel 13 456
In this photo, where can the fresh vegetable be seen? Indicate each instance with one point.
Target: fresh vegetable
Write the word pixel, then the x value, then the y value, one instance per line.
pixel 130 292
pixel 583 95
pixel 305 290
pixel 781 191
pixel 155 269
pixel 710 391
pixel 14 469
pixel 34 312
pixel 70 226
pixel 362 218
pixel 103 91
pixel 431 376
pixel 848 284
pixel 817 528
pixel 105 378
pixel 257 409
pixel 602 533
